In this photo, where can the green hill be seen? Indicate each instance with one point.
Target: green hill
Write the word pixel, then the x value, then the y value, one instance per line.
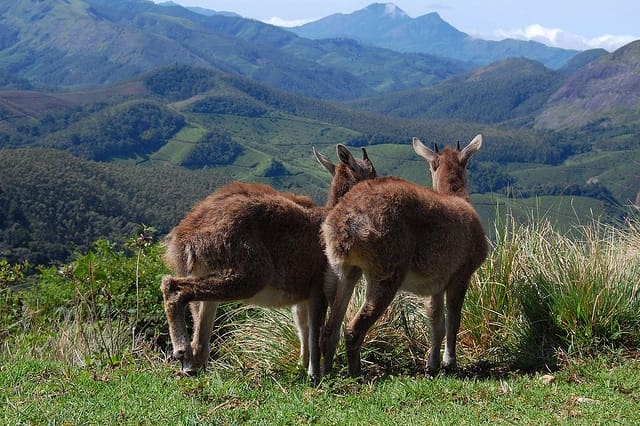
pixel 177 133
pixel 502 91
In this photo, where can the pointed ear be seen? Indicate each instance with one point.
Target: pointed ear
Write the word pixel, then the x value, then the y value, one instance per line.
pixel 423 151
pixel 473 147
pixel 365 157
pixel 326 163
pixel 345 155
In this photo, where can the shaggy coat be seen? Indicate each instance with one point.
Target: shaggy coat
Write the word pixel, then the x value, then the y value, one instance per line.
pixel 248 242
pixel 404 237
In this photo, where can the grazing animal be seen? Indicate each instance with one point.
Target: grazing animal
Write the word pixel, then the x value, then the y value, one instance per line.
pixel 403 236
pixel 247 242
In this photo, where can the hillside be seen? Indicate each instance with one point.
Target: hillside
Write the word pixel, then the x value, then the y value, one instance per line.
pixel 90 43
pixel 386 25
pixel 505 90
pixel 178 127
pixel 53 203
pixel 607 89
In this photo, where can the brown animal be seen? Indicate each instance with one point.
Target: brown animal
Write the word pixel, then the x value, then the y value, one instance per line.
pixel 248 242
pixel 404 237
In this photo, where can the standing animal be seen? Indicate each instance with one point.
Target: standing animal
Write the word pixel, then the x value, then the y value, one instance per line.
pixel 247 242
pixel 403 236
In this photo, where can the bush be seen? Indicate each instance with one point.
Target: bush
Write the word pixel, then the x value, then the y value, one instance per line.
pixel 100 304
pixel 215 148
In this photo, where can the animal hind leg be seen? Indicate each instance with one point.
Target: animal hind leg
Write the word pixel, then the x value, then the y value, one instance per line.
pixel 217 287
pixel 454 300
pixel 340 296
pixel 175 312
pixel 380 293
pixel 204 315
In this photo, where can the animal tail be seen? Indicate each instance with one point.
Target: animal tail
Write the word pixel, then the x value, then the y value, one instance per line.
pixel 179 256
pixel 342 240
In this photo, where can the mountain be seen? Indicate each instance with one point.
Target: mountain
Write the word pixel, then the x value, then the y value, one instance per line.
pixel 607 90
pixel 88 43
pixel 505 90
pixel 385 25
pixel 581 60
pixel 201 10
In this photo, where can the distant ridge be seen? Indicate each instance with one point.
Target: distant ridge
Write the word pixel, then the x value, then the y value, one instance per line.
pixel 608 87
pixel 386 25
pixel 201 10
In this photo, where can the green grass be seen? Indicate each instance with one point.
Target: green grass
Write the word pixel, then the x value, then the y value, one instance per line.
pixel 617 170
pixel 604 390
pixel 549 335
pixel 177 149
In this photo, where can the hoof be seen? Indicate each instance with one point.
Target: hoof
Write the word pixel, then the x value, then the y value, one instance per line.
pixel 449 368
pixel 431 372
pixel 189 372
pixel 178 354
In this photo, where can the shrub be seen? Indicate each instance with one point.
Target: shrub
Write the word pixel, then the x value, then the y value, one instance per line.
pixel 215 148
pixel 102 302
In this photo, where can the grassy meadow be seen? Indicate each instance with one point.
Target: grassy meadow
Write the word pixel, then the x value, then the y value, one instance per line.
pixel 550 335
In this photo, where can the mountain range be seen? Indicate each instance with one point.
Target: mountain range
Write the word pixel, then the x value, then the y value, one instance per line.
pixel 88 43
pixel 386 25
pixel 91 43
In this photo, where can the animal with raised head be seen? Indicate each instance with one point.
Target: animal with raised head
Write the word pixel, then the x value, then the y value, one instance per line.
pixel 248 242
pixel 403 236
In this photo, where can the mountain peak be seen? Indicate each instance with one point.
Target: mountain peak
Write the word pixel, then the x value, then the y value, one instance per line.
pixel 387 10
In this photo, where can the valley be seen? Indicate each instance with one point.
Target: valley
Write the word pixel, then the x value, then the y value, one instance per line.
pixel 157 137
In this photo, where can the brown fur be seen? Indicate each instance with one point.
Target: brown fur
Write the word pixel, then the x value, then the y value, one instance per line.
pixel 404 236
pixel 249 242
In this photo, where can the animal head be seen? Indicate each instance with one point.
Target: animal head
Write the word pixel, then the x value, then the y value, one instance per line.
pixel 347 173
pixel 449 166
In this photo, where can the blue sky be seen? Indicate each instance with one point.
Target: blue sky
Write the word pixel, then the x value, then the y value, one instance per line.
pixel 570 24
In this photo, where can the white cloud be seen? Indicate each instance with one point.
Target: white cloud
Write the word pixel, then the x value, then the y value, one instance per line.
pixel 279 22
pixel 557 37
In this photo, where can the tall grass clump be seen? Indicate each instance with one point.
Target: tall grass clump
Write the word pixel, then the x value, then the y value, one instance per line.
pixel 542 292
pixel 583 289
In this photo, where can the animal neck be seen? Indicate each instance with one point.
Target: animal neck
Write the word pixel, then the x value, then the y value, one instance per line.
pixel 454 187
pixel 342 182
pixel 450 181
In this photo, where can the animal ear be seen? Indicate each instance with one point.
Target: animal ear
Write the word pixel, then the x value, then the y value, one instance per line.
pixel 345 155
pixel 423 151
pixel 326 163
pixel 365 157
pixel 473 147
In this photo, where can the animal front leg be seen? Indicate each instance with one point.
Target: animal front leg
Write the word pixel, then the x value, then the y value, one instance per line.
pixel 435 311
pixel 317 312
pixel 301 319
